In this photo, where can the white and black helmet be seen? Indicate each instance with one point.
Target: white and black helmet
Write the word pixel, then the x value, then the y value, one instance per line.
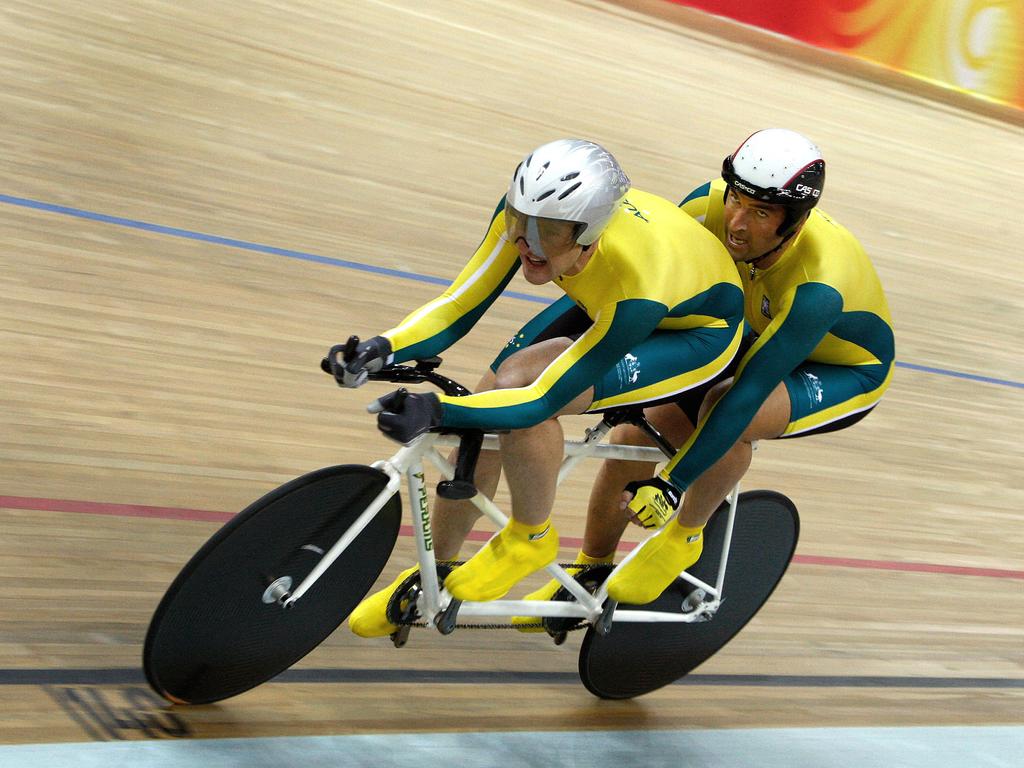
pixel 570 180
pixel 778 166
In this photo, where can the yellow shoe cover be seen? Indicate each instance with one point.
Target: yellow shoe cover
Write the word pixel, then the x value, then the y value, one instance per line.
pixel 547 592
pixel 662 559
pixel 516 551
pixel 370 618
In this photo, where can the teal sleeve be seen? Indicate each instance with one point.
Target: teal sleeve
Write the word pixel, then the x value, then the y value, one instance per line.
pixel 704 190
pixel 464 312
pixel 440 341
pixel 784 345
pixel 578 368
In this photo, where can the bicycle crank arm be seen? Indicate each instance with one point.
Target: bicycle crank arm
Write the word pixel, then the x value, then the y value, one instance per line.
pixel 603 625
pixel 445 621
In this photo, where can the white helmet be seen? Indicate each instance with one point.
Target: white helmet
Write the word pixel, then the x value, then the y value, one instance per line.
pixel 778 166
pixel 569 180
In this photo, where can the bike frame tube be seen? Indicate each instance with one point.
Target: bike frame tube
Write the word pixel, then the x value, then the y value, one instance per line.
pixel 664 617
pixel 480 501
pixel 593 437
pixel 733 502
pixel 591 449
pixel 424 538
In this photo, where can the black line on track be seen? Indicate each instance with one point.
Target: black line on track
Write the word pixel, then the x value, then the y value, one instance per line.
pixel 130 676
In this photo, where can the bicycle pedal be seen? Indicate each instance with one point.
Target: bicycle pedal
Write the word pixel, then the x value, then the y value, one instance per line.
pixel 401 635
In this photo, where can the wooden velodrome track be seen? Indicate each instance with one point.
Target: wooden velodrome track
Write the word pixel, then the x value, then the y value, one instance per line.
pixel 159 359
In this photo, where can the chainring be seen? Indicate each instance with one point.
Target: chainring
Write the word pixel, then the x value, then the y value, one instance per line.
pixel 402 603
pixel 590 577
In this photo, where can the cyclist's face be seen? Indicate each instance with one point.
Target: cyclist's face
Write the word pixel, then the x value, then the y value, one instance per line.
pixel 750 225
pixel 547 247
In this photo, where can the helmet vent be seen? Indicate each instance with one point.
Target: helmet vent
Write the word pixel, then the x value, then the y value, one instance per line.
pixel 546 194
pixel 522 185
pixel 570 176
pixel 570 190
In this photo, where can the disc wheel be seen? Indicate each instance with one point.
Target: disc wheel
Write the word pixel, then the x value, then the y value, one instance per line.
pixel 218 631
pixel 638 657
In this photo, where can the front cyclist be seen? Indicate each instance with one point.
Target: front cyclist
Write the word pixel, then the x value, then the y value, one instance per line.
pixel 653 307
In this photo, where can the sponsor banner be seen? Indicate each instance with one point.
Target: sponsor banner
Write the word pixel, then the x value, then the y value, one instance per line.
pixel 972 46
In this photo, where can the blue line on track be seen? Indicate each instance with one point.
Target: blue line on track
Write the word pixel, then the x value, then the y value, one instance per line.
pixel 242 244
pixel 317 259
pixel 959 375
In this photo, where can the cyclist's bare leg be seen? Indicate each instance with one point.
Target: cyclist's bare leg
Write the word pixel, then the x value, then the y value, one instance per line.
pixel 528 455
pixel 606 519
pixel 451 520
pixel 531 458
pixel 679 545
pixel 710 489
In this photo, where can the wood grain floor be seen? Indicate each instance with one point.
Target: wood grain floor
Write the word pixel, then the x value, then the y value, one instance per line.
pixel 157 354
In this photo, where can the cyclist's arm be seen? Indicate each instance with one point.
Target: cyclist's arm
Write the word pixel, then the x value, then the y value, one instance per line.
pixel 617 328
pixel 440 323
pixel 787 341
pixel 696 203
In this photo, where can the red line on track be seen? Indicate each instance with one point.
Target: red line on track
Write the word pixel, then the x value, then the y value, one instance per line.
pixel 117 510
pixel 204 515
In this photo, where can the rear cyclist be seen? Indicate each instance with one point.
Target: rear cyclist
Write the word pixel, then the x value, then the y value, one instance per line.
pixel 819 358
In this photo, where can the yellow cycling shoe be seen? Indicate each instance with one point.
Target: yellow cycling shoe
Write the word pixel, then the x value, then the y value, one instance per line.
pixel 370 617
pixel 516 551
pixel 547 592
pixel 662 558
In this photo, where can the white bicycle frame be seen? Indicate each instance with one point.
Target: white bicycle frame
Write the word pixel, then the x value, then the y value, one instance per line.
pixel 407 463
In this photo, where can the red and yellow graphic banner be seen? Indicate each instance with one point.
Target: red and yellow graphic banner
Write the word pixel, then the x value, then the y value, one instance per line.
pixel 973 46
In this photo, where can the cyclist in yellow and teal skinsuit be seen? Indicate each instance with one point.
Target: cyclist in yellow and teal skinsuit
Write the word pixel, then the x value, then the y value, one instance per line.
pixel 819 357
pixel 652 275
pixel 652 307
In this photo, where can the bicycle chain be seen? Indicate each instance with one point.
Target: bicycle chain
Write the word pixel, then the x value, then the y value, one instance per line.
pixel 578 567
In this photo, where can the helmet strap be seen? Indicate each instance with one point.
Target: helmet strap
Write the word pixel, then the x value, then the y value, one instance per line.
pixel 754 261
pixel 793 229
